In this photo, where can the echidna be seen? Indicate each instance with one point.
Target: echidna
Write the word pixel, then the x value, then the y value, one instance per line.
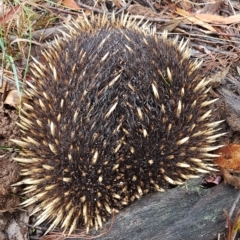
pixel 117 111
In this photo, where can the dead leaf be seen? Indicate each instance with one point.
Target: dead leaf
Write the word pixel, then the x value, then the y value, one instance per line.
pixel 202 19
pixel 10 14
pixel 233 118
pixel 70 4
pixel 137 9
pixel 13 99
pixel 170 26
pixel 192 18
pixel 232 102
pixel 218 19
pixel 217 78
pixel 231 179
pixel 211 7
pixel 230 157
pixel 186 5
pixel 213 179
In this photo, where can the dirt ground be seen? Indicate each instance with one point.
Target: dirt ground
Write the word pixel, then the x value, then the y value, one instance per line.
pixel 10 213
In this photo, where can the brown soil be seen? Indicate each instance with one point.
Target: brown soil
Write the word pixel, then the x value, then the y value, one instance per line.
pixel 9 174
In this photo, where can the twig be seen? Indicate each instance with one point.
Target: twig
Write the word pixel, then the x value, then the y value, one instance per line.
pixel 231 6
pixel 151 6
pixel 124 8
pixel 91 8
pixel 233 207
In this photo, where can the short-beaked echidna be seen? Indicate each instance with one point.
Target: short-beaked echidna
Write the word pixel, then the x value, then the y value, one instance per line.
pixel 115 111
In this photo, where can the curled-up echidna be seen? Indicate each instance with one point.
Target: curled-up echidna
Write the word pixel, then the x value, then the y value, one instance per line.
pixel 115 111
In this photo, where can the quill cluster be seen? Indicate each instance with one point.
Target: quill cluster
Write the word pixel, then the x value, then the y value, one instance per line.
pixel 115 111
